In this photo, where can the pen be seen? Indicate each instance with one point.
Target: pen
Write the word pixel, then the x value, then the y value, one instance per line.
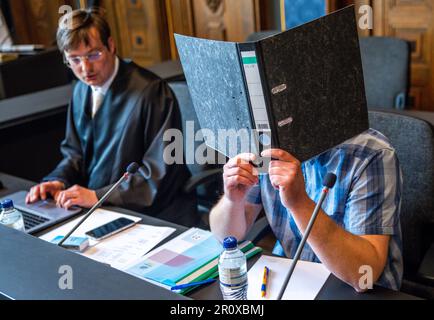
pixel 264 282
pixel 192 284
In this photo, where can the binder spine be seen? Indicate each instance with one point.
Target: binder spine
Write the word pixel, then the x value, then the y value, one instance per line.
pixel 267 97
pixel 254 82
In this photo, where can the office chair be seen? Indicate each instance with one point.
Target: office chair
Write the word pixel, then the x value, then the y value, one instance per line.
pixel 169 70
pixel 413 140
pixel 206 180
pixel 386 65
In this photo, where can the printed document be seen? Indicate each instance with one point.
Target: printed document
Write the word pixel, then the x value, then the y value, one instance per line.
pixel 120 249
pixel 307 279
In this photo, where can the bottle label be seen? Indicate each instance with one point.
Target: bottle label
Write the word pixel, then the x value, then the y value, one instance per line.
pixel 233 278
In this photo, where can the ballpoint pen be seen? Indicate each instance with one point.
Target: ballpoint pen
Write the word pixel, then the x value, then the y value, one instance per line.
pixel 264 282
pixel 191 284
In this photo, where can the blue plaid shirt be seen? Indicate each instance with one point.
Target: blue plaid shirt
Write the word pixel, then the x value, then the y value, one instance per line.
pixel 364 201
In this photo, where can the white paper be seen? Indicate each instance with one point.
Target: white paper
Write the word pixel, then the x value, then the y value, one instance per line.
pixel 120 249
pixel 124 248
pixel 307 279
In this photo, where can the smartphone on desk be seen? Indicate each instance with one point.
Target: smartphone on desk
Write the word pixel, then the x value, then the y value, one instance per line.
pixel 110 228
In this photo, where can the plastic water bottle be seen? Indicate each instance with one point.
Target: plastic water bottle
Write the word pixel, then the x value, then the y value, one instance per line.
pixel 10 217
pixel 233 271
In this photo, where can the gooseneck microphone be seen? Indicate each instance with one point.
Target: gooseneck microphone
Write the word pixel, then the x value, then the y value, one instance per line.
pixel 328 183
pixel 132 169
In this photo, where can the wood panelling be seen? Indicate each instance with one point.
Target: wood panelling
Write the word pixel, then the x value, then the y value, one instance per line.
pixel 143 29
pixel 179 20
pixel 412 21
pixel 36 21
pixel 225 19
pixel 140 28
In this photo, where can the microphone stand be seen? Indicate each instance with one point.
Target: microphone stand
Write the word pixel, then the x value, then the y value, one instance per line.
pixel 329 181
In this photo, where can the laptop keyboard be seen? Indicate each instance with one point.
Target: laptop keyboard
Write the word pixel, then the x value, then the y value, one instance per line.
pixel 32 220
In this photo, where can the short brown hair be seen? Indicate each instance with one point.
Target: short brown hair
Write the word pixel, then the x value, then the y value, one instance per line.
pixel 81 21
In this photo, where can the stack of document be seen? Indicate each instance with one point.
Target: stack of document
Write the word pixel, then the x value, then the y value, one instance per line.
pixel 190 257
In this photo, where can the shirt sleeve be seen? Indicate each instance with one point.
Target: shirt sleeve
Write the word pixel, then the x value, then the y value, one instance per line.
pixel 374 200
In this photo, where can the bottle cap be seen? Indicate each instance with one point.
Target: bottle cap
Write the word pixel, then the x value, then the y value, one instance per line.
pixel 230 243
pixel 7 204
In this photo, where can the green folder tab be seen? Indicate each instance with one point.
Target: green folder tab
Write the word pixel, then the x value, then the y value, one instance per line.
pixel 250 60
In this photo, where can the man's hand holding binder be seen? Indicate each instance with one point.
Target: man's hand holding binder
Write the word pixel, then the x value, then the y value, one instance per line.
pixel 286 175
pixel 239 176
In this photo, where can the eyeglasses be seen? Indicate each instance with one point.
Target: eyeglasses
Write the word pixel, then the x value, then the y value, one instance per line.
pixel 76 60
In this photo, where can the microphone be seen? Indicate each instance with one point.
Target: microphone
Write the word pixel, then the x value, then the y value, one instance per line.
pixel 132 169
pixel 328 183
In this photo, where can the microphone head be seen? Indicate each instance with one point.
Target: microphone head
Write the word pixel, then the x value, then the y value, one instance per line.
pixel 132 168
pixel 329 180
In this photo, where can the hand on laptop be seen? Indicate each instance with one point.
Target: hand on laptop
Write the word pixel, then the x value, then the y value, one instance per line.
pixel 76 196
pixel 43 190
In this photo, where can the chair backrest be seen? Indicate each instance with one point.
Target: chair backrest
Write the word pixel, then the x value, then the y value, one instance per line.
pixel 190 125
pixel 413 140
pixel 169 70
pixel 386 63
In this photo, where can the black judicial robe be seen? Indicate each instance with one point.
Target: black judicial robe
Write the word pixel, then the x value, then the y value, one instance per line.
pixel 128 127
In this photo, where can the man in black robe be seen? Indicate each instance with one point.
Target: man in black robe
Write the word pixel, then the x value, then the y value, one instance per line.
pixel 118 115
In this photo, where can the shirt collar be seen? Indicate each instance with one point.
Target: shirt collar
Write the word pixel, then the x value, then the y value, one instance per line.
pixel 104 88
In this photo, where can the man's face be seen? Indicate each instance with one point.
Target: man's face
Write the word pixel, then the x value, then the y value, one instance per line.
pixel 92 64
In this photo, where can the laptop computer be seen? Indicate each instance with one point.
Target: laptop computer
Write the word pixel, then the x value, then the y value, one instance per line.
pixel 40 215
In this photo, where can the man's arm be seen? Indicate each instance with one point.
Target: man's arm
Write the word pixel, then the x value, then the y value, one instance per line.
pixel 233 219
pixel 342 252
pixel 233 215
